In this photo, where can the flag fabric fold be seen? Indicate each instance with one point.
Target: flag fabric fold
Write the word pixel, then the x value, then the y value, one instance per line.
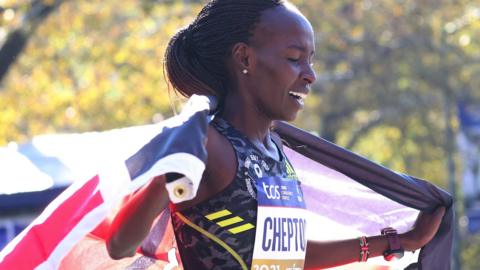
pixel 344 192
pixel 406 190
pixel 84 205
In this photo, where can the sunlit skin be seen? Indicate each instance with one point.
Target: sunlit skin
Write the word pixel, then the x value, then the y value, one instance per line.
pixel 278 60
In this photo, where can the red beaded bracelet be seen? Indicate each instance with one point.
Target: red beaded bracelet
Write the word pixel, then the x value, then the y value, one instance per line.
pixel 364 250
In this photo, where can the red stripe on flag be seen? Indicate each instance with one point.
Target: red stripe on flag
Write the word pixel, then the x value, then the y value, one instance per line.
pixel 40 241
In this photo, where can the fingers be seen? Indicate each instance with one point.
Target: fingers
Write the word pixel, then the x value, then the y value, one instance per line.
pixel 440 211
pixel 425 217
pixel 437 216
pixel 425 228
pixel 430 223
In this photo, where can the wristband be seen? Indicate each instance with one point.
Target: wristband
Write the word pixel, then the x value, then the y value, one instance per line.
pixel 364 249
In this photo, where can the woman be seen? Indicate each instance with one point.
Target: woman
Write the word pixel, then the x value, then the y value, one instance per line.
pixel 255 56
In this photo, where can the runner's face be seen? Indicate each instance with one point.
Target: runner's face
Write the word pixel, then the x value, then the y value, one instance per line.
pixel 281 73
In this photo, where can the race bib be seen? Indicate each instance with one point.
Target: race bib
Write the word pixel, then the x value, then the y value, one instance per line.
pixel 280 241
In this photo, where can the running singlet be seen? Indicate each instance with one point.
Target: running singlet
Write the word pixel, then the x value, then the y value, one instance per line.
pixel 219 233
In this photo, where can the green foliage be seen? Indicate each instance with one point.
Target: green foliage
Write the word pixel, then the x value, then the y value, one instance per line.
pixel 91 66
pixel 385 70
pixel 471 251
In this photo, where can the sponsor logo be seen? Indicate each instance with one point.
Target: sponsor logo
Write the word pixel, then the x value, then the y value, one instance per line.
pixel 271 191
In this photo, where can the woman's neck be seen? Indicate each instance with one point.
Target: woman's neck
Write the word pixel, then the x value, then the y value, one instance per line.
pixel 244 117
pixel 254 124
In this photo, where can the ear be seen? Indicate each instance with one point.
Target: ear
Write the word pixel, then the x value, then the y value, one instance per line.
pixel 241 54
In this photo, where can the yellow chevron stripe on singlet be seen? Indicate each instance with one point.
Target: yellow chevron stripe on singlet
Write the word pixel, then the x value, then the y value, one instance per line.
pixel 241 228
pixel 213 238
pixel 219 214
pixel 229 221
pixel 290 171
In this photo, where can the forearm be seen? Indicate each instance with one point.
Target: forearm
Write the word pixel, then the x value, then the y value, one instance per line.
pixel 133 222
pixel 334 253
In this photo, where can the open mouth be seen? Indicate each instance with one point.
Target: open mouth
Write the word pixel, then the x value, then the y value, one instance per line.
pixel 297 95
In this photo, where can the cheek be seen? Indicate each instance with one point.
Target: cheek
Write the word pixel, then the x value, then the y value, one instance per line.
pixel 279 73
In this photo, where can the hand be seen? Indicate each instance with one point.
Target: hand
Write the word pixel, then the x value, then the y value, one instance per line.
pixel 424 229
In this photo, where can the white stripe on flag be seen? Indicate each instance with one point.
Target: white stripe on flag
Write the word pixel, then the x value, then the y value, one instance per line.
pixel 183 163
pixel 112 186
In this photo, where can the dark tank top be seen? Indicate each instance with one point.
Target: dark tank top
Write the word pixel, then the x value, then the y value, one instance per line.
pixel 219 233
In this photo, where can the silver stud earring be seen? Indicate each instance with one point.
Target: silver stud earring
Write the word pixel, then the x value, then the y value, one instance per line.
pixel 245 71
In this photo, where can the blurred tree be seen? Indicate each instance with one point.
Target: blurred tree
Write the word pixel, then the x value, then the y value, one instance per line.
pixel 17 38
pixel 384 72
pixel 390 75
pixel 91 66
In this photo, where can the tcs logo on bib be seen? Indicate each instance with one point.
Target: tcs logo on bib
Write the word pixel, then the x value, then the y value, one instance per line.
pixel 271 191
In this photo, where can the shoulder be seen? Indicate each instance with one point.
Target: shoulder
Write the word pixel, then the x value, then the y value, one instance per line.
pixel 221 163
pixel 220 151
pixel 220 169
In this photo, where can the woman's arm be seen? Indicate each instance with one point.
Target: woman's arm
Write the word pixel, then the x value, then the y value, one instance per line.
pixel 134 221
pixel 334 253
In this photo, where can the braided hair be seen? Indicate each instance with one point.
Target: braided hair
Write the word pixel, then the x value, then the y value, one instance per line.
pixel 196 57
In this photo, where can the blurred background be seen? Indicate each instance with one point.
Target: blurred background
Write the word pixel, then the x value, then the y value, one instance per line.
pixel 398 82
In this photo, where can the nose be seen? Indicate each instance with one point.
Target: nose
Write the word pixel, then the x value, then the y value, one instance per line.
pixel 309 75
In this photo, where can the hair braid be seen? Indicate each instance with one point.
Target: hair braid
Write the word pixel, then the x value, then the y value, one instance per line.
pixel 195 59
